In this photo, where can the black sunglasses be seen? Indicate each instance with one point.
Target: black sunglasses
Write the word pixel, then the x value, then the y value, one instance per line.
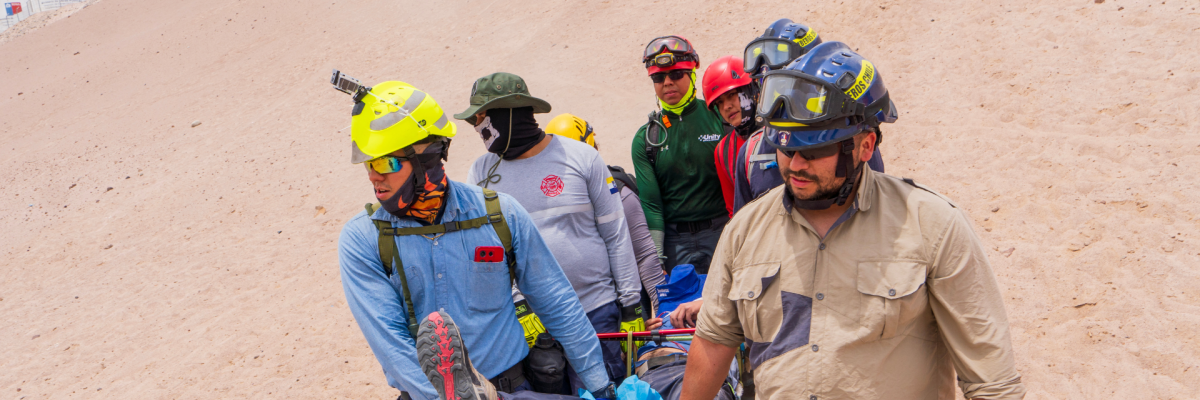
pixel 813 154
pixel 675 74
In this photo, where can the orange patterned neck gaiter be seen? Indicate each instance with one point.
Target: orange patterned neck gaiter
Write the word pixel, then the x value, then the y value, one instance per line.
pixel 428 204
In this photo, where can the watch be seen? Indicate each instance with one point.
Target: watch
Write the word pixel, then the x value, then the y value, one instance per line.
pixel 609 392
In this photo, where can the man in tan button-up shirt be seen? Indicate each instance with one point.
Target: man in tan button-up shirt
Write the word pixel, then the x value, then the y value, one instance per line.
pixel 886 296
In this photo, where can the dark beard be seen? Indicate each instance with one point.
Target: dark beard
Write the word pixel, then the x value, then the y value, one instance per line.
pixel 823 191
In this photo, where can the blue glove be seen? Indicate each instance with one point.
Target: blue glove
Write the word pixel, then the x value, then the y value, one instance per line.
pixel 633 388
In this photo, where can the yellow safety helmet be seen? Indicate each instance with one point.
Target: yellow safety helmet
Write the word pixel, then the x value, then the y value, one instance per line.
pixel 392 116
pixel 570 126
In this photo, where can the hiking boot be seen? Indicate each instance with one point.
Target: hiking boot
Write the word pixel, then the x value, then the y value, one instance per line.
pixel 443 358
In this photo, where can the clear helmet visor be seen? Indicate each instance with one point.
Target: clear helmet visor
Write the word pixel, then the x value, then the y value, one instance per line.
pixel 668 44
pixel 802 98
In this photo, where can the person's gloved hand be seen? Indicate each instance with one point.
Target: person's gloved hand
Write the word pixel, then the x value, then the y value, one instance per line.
pixel 531 324
pixel 631 319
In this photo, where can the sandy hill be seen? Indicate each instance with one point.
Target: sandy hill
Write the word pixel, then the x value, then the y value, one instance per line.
pixel 146 258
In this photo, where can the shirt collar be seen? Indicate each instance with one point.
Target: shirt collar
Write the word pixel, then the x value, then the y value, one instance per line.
pixel 866 189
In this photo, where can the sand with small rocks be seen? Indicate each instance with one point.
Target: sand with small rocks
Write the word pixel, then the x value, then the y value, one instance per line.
pixel 143 257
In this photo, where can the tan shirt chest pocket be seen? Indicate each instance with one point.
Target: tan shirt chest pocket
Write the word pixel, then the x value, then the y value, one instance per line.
pixel 757 300
pixel 894 296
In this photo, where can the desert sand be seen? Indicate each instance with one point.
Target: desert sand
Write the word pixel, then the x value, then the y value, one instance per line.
pixel 144 257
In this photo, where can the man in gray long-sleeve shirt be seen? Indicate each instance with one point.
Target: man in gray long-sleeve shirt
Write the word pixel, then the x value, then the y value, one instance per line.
pixel 644 250
pixel 570 195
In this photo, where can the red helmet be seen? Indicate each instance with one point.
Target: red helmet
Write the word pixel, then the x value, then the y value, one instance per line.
pixel 723 75
pixel 669 52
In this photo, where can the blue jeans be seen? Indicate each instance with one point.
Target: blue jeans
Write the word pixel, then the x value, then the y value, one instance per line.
pixel 696 248
pixel 607 319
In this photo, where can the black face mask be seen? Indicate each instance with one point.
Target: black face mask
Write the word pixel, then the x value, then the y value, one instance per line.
pixel 524 134
pixel 746 99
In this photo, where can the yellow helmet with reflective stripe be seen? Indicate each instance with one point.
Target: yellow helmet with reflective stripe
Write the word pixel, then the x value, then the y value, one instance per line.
pixel 570 126
pixel 392 116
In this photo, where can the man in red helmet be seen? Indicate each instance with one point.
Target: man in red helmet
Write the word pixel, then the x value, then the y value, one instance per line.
pixel 672 158
pixel 730 92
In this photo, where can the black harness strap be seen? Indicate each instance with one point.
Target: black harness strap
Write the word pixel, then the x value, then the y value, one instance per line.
pixel 654 144
pixel 623 179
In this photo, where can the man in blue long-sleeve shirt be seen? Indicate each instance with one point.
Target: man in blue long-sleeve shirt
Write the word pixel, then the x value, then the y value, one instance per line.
pixel 462 271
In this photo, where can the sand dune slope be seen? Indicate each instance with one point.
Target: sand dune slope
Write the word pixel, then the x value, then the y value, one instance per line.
pixel 146 258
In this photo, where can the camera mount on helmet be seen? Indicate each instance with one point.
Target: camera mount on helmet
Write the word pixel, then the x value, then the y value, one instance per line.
pixel 349 85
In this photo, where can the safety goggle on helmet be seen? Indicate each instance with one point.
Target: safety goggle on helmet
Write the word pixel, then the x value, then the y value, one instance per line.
pixel 669 52
pixel 828 95
pixel 782 42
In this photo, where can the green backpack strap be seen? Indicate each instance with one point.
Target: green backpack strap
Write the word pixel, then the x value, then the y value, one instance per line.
pixel 496 217
pixel 390 255
pixel 391 262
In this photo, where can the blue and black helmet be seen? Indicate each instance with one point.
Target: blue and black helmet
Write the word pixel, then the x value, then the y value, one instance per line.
pixel 782 42
pixel 828 95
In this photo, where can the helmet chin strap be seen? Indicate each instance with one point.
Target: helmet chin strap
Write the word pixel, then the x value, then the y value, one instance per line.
pixel 492 176
pixel 418 172
pixel 846 168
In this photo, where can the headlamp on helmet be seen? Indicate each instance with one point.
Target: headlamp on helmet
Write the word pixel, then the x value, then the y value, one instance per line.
pixel 665 60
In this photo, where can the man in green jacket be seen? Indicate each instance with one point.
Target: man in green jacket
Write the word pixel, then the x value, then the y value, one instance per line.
pixel 673 159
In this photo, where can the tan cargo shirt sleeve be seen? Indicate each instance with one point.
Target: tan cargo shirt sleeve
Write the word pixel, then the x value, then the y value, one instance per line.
pixel 718 319
pixel 969 309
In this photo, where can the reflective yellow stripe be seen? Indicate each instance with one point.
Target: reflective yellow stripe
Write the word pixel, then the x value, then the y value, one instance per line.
pixel 807 38
pixel 866 76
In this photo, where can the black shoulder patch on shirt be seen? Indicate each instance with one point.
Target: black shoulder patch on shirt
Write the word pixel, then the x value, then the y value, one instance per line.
pixel 922 187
